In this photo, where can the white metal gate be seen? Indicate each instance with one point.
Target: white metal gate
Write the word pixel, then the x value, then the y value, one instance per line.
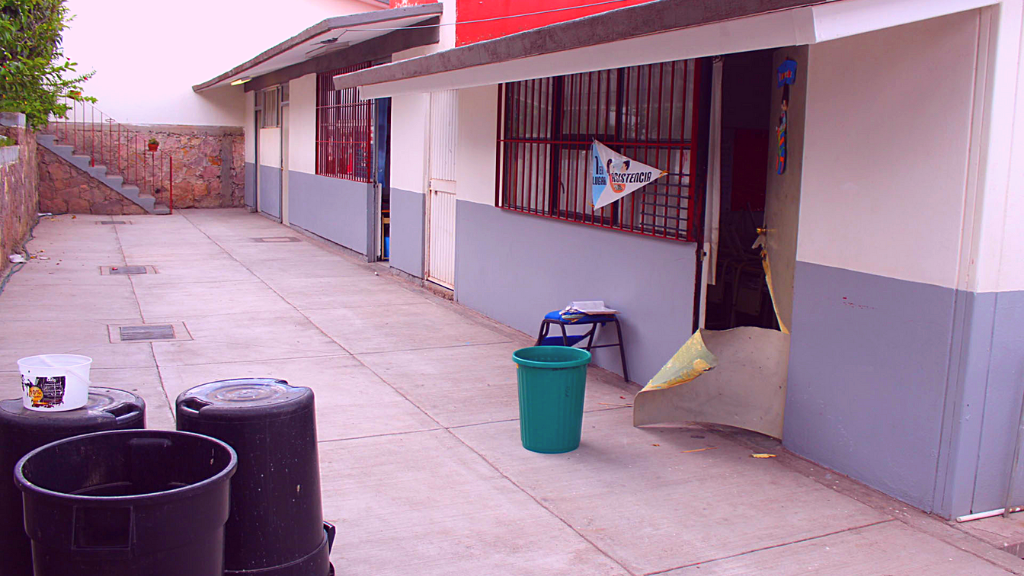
pixel 441 268
pixel 441 199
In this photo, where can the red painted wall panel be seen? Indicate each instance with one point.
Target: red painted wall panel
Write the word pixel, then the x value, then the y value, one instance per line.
pixel 472 10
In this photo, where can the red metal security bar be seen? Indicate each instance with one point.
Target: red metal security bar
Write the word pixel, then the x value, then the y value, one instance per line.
pixel 344 129
pixel 650 113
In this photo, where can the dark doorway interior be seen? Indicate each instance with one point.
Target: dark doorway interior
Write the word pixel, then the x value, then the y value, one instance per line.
pixel 740 296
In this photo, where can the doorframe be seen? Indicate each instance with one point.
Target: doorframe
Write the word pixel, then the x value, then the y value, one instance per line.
pixel 257 120
pixel 285 128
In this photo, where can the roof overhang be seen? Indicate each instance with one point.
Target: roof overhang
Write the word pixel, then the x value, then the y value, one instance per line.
pixel 658 31
pixel 328 37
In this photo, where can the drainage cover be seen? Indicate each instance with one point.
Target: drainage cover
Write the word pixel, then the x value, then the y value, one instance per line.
pixel 111 222
pixel 271 239
pixel 154 332
pixel 128 270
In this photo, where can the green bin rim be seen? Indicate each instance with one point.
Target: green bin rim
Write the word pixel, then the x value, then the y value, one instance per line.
pixel 574 357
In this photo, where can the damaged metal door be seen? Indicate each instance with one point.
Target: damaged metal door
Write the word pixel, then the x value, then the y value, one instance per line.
pixel 738 377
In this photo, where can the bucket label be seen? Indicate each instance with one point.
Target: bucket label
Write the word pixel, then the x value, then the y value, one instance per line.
pixel 46 392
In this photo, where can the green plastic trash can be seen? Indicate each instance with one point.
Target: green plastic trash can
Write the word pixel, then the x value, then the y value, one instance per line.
pixel 552 380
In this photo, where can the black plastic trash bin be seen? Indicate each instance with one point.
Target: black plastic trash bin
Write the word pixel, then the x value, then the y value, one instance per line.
pixel 276 526
pixel 23 430
pixel 128 503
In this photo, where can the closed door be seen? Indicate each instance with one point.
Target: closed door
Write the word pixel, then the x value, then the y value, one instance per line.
pixel 441 196
pixel 269 167
pixel 441 265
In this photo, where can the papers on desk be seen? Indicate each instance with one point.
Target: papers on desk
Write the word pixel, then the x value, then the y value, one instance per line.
pixel 591 307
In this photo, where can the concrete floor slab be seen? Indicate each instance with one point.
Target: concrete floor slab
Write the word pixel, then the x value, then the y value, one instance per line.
pixel 400 513
pixel 75 275
pixel 464 385
pixel 20 338
pixel 25 301
pixel 345 292
pixel 249 336
pixel 326 266
pixel 194 271
pixel 420 448
pixel 1002 533
pixel 683 507
pixel 890 548
pixel 351 401
pixel 401 327
pixel 188 300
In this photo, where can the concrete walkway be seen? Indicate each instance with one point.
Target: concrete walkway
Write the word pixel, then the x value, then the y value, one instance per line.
pixel 417 412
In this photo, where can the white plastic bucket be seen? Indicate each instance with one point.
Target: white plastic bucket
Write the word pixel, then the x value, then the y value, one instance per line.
pixel 54 382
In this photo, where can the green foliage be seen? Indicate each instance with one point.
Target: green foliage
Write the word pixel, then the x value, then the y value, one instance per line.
pixel 35 76
pixel 5 141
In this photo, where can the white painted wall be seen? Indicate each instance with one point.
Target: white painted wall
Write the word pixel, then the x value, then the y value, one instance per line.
pixel 410 115
pixel 477 138
pixel 999 238
pixel 147 55
pixel 886 150
pixel 302 133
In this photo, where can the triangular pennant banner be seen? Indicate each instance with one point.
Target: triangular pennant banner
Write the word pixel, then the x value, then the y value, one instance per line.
pixel 613 176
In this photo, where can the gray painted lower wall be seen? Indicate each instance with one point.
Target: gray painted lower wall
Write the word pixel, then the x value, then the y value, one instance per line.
pixel 867 377
pixel 1002 389
pixel 250 184
pixel 270 191
pixel 515 268
pixel 911 388
pixel 407 238
pixel 331 208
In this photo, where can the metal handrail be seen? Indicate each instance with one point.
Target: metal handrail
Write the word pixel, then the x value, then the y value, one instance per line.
pixel 124 151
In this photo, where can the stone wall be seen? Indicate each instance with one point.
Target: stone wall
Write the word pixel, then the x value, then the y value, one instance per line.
pixel 208 161
pixel 19 195
pixel 67 189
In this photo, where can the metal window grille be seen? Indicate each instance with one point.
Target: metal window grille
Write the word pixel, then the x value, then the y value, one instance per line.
pixel 269 101
pixel 344 129
pixel 649 113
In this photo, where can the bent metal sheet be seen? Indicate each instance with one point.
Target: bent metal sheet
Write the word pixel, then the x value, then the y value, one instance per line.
pixel 614 176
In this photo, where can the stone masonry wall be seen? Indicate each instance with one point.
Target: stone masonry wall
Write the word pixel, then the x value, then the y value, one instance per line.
pixel 208 161
pixel 66 189
pixel 19 196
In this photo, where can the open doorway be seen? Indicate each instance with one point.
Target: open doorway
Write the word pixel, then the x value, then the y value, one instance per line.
pixel 755 164
pixel 739 286
pixel 737 292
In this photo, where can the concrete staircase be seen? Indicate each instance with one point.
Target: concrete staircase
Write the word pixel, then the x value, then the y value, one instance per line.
pixel 112 181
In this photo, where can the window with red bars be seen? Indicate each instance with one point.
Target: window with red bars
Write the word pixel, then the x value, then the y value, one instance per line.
pixel 344 129
pixel 649 113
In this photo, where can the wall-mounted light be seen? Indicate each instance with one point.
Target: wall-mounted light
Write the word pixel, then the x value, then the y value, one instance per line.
pixel 240 81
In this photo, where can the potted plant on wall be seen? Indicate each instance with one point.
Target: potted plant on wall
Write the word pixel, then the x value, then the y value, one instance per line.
pixel 153 144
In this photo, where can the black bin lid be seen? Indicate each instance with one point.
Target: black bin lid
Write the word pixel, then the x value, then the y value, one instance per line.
pixel 104 405
pixel 244 399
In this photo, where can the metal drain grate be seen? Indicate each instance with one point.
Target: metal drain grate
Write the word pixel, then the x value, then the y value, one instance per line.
pixel 111 222
pixel 128 270
pixel 277 239
pixel 154 332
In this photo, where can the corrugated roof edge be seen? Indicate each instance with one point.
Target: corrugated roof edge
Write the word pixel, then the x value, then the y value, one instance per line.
pixel 348 21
